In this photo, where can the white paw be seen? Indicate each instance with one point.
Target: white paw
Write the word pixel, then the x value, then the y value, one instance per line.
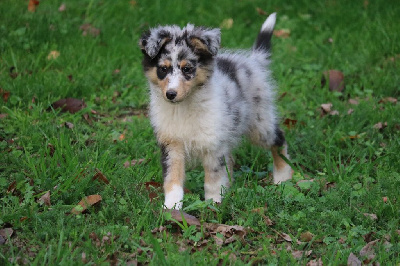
pixel 173 198
pixel 283 174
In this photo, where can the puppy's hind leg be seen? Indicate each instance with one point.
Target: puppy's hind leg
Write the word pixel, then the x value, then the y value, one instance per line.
pixel 282 170
pixel 274 139
pixel 218 175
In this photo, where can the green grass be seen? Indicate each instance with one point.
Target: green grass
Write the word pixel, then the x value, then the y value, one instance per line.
pixel 353 164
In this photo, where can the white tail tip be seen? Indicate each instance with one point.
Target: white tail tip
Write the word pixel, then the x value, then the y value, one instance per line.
pixel 269 23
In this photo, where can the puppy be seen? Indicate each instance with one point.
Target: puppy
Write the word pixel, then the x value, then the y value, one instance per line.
pixel 203 101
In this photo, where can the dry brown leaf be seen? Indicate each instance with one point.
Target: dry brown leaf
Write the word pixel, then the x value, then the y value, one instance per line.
pixel 286 237
pixel 368 251
pixel 100 177
pixel 62 8
pixel 334 112
pixel 350 111
pixel 282 33
pixel 85 203
pixel 71 105
pixel 69 125
pixel 32 5
pixel 317 262
pixel 5 234
pixel 335 79
pixel 159 229
pixel 289 123
pixel 352 260
pixel 388 100
pixel 261 12
pixel 306 236
pixel 326 107
pixel 134 162
pixel 226 24
pixel 380 125
pixel 4 94
pixel 45 199
pixel 298 254
pixel 53 55
pixel 353 101
pixel 190 219
pixel 372 216
pixel 89 29
pixel 12 187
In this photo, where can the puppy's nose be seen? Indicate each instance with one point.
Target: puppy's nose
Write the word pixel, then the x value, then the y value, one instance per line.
pixel 171 94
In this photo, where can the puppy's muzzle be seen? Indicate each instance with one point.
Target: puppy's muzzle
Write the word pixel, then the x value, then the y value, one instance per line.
pixel 171 94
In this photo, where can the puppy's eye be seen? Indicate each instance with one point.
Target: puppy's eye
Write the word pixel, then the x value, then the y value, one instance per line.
pixel 162 72
pixel 187 70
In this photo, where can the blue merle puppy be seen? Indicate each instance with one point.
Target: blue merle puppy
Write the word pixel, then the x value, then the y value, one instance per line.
pixel 202 101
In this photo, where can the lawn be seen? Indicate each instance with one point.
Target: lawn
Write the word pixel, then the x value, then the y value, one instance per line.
pixel 342 206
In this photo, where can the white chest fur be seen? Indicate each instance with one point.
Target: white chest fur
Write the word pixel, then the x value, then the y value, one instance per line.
pixel 193 122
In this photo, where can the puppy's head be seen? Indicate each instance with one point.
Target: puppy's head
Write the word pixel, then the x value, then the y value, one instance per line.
pixel 178 60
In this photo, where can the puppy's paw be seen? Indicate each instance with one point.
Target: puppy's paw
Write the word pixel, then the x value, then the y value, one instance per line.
pixel 283 174
pixel 173 198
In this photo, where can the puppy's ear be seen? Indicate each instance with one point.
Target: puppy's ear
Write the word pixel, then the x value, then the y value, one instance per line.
pixel 152 41
pixel 204 41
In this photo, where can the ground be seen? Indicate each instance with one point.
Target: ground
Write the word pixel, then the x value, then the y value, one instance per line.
pixel 81 185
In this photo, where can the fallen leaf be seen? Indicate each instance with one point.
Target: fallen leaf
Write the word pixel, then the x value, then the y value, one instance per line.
pixel 227 23
pixel 282 33
pixel 353 101
pixel 53 55
pixel 3 116
pixel 83 257
pixel 388 100
pixel 317 262
pixel 261 12
pixel 380 125
pixel 45 199
pixel 5 234
pixel 100 177
pixel 372 216
pixel 306 236
pixel 32 5
pixel 298 254
pixel 159 229
pixel 85 203
pixel 326 107
pixel 350 111
pixel 334 112
pixel 190 219
pixel 286 237
pixel 89 29
pixel 12 187
pixel 289 123
pixel 335 79
pixel 62 8
pixel 134 162
pixel 71 105
pixel 352 260
pixel 5 95
pixel 69 125
pixel 368 250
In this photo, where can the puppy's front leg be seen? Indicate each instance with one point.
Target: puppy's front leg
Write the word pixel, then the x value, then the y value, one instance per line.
pixel 173 164
pixel 217 177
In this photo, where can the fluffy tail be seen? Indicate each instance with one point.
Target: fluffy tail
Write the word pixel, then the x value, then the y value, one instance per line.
pixel 263 41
